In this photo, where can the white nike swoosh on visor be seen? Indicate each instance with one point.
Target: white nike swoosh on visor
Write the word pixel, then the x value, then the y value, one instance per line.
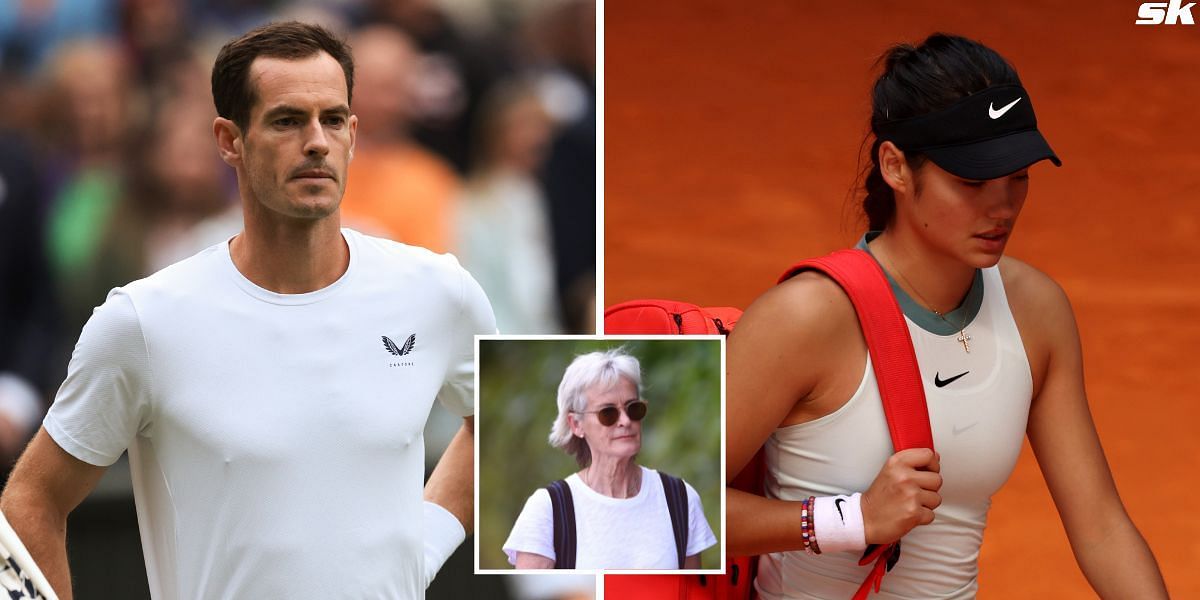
pixel 996 114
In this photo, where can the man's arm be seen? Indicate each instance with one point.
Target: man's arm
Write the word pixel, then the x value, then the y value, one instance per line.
pixel 450 500
pixel 46 485
pixel 452 483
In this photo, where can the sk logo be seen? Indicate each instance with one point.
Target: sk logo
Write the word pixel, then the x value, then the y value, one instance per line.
pixel 1165 13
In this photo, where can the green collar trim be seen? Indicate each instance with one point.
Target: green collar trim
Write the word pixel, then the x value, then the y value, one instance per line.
pixel 965 313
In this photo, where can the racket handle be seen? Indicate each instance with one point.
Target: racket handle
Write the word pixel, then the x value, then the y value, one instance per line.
pixel 18 572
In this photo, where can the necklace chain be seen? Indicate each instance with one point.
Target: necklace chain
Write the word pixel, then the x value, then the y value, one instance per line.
pixel 962 338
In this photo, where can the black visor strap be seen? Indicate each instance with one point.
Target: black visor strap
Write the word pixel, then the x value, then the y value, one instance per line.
pixel 994 112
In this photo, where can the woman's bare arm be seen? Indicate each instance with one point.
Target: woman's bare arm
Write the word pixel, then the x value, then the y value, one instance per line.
pixel 529 560
pixel 796 348
pixel 1110 551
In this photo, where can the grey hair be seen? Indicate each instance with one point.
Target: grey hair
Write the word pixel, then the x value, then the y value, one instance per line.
pixel 594 369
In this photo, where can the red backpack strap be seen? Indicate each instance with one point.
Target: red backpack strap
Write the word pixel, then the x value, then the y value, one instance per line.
pixel 883 327
pixel 894 362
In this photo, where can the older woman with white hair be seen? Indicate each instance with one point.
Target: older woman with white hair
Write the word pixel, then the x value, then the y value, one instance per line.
pixel 612 513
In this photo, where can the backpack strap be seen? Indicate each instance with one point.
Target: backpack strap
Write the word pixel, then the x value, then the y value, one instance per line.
pixel 677 505
pixel 564 524
pixel 894 361
pixel 892 355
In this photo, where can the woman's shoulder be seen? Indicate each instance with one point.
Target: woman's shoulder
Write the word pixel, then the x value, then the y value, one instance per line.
pixel 1042 313
pixel 1022 277
pixel 649 474
pixel 539 497
pixel 1031 291
pixel 807 320
pixel 808 306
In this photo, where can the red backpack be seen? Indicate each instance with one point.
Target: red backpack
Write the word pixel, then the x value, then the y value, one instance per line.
pixel 646 317
pixel 899 379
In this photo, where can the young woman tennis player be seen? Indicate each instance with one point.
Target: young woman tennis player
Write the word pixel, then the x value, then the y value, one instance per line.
pixel 999 354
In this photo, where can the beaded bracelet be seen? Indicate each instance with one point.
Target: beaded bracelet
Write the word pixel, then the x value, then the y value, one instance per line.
pixel 804 525
pixel 807 526
pixel 812 524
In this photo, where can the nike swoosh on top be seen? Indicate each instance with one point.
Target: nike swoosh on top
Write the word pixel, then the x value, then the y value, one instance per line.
pixel 956 430
pixel 939 382
pixel 996 114
pixel 838 505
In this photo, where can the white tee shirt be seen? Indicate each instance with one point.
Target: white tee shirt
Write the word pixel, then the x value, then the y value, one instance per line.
pixel 612 533
pixel 276 440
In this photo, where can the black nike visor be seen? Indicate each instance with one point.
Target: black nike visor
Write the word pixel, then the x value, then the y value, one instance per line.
pixel 986 135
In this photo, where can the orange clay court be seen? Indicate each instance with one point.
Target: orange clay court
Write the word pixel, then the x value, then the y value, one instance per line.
pixel 731 136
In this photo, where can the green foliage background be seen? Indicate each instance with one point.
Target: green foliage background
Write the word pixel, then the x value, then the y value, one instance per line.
pixel 518 385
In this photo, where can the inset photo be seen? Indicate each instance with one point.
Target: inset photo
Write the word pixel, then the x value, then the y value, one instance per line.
pixel 600 453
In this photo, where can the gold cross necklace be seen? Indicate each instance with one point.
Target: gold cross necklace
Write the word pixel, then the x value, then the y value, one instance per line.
pixel 963 338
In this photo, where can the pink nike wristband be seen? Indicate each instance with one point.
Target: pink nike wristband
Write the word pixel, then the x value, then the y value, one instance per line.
pixel 838 523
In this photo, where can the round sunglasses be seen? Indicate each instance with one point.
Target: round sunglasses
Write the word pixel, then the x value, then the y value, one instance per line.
pixel 609 415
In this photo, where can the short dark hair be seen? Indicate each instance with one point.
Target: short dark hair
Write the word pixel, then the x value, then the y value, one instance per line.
pixel 919 80
pixel 232 93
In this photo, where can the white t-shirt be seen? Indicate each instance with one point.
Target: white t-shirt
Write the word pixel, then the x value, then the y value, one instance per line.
pixel 276 440
pixel 612 533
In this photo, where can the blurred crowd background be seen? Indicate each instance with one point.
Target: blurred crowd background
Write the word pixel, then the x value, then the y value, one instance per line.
pixel 477 136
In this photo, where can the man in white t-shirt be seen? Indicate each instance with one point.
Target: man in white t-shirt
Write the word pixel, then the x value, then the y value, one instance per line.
pixel 272 390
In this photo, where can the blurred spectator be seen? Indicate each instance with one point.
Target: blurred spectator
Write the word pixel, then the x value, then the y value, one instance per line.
pixel 504 231
pixel 86 116
pixel 175 186
pixel 395 188
pixel 30 30
pixel 154 36
pixel 454 72
pixel 233 15
pixel 566 33
pixel 19 99
pixel 185 196
pixel 129 192
pixel 27 309
pixel 561 43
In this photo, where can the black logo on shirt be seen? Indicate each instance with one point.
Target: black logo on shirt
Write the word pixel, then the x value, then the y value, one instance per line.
pixel 400 350
pixel 404 350
pixel 838 505
pixel 939 382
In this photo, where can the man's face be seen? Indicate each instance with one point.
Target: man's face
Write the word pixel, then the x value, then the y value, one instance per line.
pixel 300 136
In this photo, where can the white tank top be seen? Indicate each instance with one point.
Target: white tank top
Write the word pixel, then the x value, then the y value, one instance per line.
pixel 978 415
